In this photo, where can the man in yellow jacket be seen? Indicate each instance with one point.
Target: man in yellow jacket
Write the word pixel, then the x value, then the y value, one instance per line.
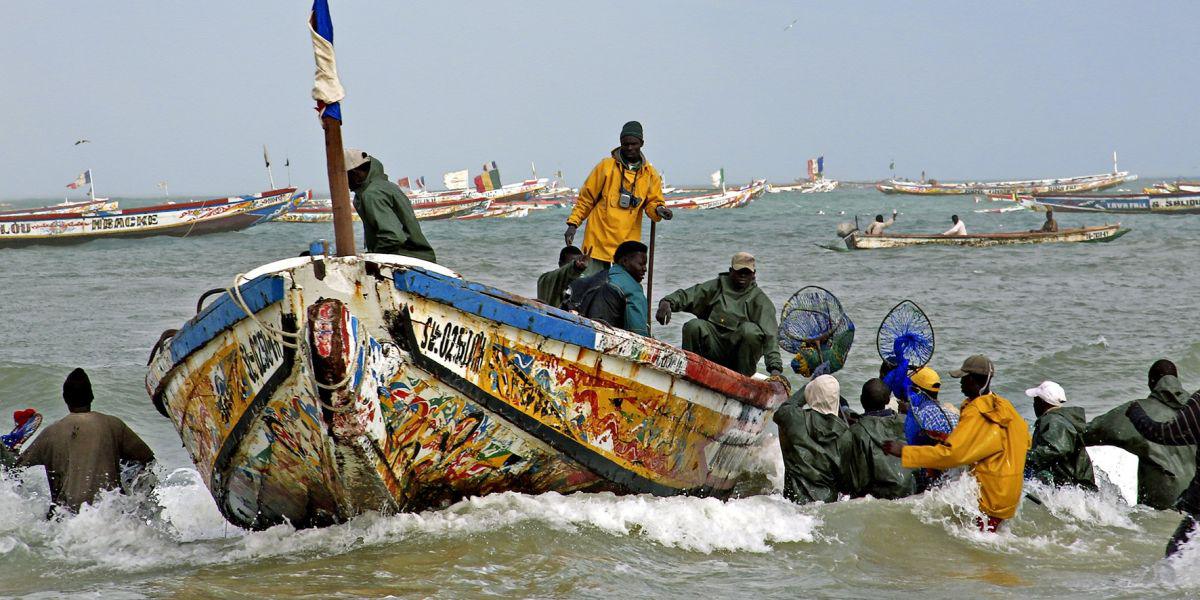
pixel 990 437
pixel 616 194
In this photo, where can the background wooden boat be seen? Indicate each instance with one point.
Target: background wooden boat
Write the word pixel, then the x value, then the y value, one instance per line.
pixel 1083 183
pixel 1172 203
pixel 856 240
pixel 180 220
pixel 65 207
pixel 319 388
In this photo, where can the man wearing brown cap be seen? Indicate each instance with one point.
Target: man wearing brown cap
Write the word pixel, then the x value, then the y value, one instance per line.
pixel 389 224
pixel 991 437
pixel 735 324
pixel 83 450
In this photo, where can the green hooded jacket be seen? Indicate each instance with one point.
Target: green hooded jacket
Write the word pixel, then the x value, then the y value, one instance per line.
pixel 811 465
pixel 718 303
pixel 552 284
pixel 389 224
pixel 866 468
pixel 1163 471
pixel 1058 455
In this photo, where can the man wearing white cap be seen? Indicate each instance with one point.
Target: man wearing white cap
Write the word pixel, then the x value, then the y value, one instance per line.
pixel 389 224
pixel 808 435
pixel 735 320
pixel 1058 455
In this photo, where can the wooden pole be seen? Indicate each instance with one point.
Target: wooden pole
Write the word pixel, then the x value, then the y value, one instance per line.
pixel 650 279
pixel 339 187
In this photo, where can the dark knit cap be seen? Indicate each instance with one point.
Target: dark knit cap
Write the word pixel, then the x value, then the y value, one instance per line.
pixel 632 128
pixel 77 389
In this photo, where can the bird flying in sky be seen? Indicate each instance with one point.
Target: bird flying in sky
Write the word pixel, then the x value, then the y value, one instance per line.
pixel 791 25
pixel 78 142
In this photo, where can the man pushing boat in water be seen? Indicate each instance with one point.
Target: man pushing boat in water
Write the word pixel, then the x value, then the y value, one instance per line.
pixel 616 194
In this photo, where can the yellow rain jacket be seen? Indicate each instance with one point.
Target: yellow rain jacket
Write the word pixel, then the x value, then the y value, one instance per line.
pixel 608 225
pixel 993 439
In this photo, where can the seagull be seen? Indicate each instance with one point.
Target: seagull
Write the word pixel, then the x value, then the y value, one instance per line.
pixel 791 25
pixel 78 142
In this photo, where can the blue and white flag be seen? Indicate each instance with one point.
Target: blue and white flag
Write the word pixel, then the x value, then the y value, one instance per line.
pixel 327 89
pixel 820 165
pixel 84 178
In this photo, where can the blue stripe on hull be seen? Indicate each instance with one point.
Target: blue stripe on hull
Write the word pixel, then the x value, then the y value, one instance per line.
pixel 499 306
pixel 223 314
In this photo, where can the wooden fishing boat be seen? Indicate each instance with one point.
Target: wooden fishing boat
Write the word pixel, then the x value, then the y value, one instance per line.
pixel 1173 187
pixel 857 240
pixel 1169 204
pixel 84 206
pixel 317 388
pixel 180 220
pixel 497 211
pixel 735 198
pixel 425 208
pixel 1067 185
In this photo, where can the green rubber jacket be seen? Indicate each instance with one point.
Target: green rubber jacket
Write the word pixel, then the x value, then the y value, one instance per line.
pixel 1163 471
pixel 1058 455
pixel 389 224
pixel 866 468
pixel 718 303
pixel 811 464
pixel 552 284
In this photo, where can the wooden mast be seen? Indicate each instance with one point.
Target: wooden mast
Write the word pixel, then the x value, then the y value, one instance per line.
pixel 339 187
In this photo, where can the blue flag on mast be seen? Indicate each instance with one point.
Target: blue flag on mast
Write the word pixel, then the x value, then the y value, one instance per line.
pixel 327 88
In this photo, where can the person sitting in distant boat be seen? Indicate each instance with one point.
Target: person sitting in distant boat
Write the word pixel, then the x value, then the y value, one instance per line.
pixel 553 287
pixel 389 224
pixel 735 320
pixel 1050 226
pixel 959 228
pixel 1058 455
pixel 1164 471
pixel 614 296
pixel 808 435
pixel 82 452
pixel 865 468
pixel 878 225
pixel 616 194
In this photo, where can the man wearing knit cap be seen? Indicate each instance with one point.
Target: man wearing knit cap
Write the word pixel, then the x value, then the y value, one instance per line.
pixel 82 452
pixel 1058 455
pixel 735 320
pixel 808 435
pixel 619 190
pixel 991 438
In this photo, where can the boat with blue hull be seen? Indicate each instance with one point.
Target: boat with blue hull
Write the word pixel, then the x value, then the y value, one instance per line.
pixel 1167 204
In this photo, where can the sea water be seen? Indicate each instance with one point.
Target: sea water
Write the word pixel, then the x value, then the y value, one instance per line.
pixel 1089 316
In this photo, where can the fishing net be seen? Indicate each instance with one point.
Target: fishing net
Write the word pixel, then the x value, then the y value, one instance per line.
pixel 816 329
pixel 906 340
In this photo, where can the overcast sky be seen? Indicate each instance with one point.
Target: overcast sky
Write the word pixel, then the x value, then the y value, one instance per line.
pixel 188 92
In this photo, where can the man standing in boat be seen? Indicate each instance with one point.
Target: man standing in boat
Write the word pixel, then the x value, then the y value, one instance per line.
pixel 616 194
pixel 735 320
pixel 389 224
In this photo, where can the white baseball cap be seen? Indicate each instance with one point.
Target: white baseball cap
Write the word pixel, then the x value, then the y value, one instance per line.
pixel 355 158
pixel 1050 392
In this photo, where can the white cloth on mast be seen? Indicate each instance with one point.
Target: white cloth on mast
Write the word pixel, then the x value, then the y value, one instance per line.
pixel 327 87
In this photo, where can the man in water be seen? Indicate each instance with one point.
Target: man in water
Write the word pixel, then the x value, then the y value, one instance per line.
pixel 1050 226
pixel 808 435
pixel 1058 455
pixel 877 226
pixel 735 320
pixel 389 224
pixel 866 469
pixel 616 194
pixel 959 227
pixel 1182 431
pixel 552 286
pixel 991 437
pixel 82 452
pixel 1163 471
pixel 614 296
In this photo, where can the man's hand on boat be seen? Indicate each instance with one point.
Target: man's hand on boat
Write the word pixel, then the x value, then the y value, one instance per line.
pixel 663 314
pixel 665 213
pixel 569 236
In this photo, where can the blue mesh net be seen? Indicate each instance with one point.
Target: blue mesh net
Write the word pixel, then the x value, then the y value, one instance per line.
pixel 816 330
pixel 906 340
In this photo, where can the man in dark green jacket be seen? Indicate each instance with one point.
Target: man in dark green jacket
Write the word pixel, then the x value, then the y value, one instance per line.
pixel 1163 471
pixel 735 324
pixel 808 435
pixel 389 224
pixel 553 286
pixel 1057 455
pixel 866 468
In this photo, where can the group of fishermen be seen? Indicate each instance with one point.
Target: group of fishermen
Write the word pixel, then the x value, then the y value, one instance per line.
pixel 957 226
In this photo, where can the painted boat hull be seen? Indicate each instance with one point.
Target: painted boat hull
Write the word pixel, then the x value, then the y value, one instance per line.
pixel 1084 183
pixel 407 388
pixel 1107 233
pixel 729 199
pixel 424 210
pixel 1171 204
pixel 66 207
pixel 177 220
